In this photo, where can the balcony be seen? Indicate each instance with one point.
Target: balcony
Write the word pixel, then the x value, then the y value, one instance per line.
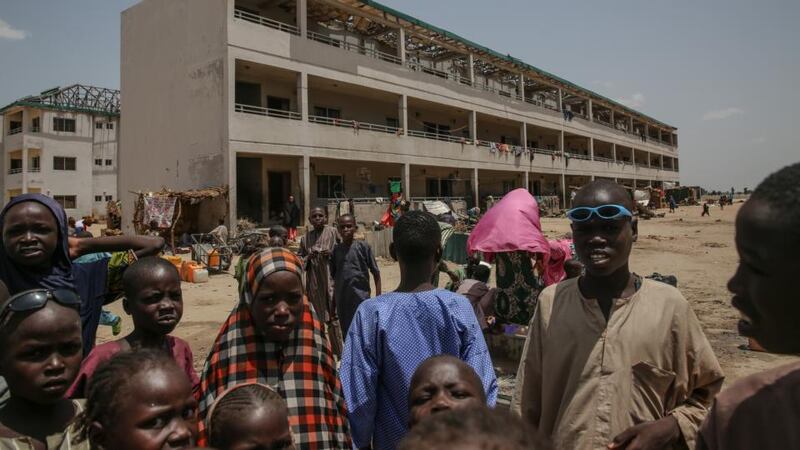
pixel 34 169
pixel 344 45
pixel 14 171
pixel 354 125
pixel 15 130
pixel 264 21
pixel 438 136
pixel 261 111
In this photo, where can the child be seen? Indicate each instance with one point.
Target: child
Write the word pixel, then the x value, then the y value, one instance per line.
pixel 476 290
pixel 139 400
pixel 612 359
pixel 705 210
pixel 278 236
pixel 478 428
pixel 154 302
pixel 249 415
pixel 40 334
pixel 443 383
pixel 351 264
pixel 763 410
pixel 393 333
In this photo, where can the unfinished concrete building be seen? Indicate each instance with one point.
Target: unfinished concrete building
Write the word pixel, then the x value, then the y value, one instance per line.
pixel 333 99
pixel 63 143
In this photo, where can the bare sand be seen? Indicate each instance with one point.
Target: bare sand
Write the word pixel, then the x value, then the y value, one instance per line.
pixel 699 251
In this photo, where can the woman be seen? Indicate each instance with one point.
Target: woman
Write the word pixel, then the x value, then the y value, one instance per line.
pixel 274 337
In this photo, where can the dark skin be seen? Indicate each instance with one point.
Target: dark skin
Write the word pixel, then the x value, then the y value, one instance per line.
pixel 417 277
pixel 278 305
pixel 261 428
pixel 42 353
pixel 141 245
pixel 156 308
pixel 318 221
pixel 443 384
pixel 764 284
pixel 157 411
pixel 347 229
pixel 604 248
pixel 30 235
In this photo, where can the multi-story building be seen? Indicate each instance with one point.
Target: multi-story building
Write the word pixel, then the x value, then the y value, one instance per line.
pixel 328 99
pixel 63 143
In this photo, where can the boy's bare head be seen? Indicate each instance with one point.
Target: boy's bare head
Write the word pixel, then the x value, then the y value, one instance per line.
pixel 768 242
pixel 442 383
pixel 417 238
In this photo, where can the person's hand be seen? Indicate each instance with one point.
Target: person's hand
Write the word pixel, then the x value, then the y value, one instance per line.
pixel 654 435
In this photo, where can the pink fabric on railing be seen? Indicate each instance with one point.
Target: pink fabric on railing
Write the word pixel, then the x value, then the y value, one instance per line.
pixel 560 252
pixel 510 225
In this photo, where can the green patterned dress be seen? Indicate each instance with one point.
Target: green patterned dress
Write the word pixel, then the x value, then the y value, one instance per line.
pixel 518 288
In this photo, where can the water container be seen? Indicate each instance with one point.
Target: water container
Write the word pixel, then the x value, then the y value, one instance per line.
pixel 213 260
pixel 200 276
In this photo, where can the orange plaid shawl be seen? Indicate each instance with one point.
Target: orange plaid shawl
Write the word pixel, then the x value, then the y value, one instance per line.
pixel 302 369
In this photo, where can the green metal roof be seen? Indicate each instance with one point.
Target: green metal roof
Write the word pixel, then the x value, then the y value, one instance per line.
pixel 509 58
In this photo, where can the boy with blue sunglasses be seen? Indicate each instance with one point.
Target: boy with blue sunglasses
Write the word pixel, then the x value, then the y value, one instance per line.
pixel 613 360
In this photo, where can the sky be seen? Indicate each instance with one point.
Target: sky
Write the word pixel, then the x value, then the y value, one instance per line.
pixel 724 72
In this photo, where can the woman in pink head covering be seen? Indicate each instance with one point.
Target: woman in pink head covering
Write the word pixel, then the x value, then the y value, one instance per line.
pixel 560 252
pixel 511 234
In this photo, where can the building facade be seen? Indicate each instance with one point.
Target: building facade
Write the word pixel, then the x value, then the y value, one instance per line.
pixel 63 143
pixel 332 99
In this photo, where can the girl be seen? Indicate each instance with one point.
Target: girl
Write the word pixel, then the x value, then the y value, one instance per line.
pixel 249 415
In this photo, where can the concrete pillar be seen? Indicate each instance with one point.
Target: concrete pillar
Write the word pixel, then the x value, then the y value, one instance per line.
pixel 592 178
pixel 476 188
pixel 630 130
pixel 560 100
pixel 523 134
pixel 591 147
pixel 305 186
pixel 613 124
pixel 25 167
pixel 302 94
pixel 522 87
pixel 402 113
pixel 401 45
pixel 473 126
pixel 302 17
pixel 646 131
pixel 589 110
pixel 633 156
pixel 561 142
pixel 471 69
pixel 407 181
pixel 661 161
pixel 527 181
pixel 614 151
pixel 564 204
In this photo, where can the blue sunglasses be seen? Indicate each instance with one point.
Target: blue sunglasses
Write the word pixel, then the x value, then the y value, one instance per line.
pixel 608 212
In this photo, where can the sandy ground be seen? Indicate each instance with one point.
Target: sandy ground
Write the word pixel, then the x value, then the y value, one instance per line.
pixel 699 251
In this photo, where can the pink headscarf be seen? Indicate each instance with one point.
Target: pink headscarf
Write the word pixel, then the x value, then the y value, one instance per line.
pixel 560 252
pixel 510 225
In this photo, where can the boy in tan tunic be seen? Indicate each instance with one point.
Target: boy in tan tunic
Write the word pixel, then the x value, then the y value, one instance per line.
pixel 613 360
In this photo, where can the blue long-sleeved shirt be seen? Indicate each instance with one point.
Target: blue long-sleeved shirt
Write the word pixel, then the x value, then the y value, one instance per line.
pixel 389 337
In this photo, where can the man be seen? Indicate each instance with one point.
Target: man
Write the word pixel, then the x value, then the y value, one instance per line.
pixel 613 360
pixel 221 231
pixel 762 411
pixel 291 218
pixel 392 334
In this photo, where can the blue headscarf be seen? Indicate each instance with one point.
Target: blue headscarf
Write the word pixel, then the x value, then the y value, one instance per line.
pixel 59 275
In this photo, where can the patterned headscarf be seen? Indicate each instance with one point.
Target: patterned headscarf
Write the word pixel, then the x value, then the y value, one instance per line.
pixel 59 275
pixel 301 369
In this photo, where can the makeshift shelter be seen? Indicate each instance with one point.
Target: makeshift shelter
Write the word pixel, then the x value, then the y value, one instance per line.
pixel 180 211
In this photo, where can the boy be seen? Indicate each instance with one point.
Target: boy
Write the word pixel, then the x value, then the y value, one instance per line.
pixel 613 360
pixel 705 210
pixel 763 410
pixel 278 236
pixel 393 333
pixel 476 290
pixel 443 383
pixel 316 247
pixel 351 263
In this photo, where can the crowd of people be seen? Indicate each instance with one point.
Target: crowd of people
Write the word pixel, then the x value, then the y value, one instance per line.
pixel 310 359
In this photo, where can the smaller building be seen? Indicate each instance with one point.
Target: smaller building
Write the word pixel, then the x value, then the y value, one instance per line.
pixel 63 143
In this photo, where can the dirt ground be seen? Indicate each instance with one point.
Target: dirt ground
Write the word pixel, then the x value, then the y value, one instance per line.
pixel 699 251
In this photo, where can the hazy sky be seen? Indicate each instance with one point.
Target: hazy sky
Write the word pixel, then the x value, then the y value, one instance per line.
pixel 725 72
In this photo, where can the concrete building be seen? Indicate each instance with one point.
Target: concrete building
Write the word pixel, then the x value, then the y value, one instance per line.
pixel 328 99
pixel 63 143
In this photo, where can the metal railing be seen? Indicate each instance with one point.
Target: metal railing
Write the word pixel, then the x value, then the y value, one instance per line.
pixel 438 136
pixel 344 45
pixel 15 131
pixel 604 159
pixel 261 111
pixel 418 67
pixel 605 124
pixel 34 169
pixel 578 156
pixel 543 151
pixel 35 129
pixel 267 22
pixel 353 124
pixel 14 171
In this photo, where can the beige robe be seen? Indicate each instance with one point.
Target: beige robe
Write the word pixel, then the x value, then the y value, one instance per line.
pixel 582 381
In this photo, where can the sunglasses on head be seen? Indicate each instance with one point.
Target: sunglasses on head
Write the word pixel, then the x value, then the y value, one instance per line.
pixel 37 299
pixel 607 212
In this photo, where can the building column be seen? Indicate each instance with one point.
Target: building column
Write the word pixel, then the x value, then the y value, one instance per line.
pixel 661 161
pixel 522 87
pixel 563 171
pixel 305 186
pixel 591 147
pixel 302 17
pixel 476 187
pixel 471 69
pixel 589 109
pixel 302 94
pixel 631 125
pixel 25 167
pixel 527 181
pixel 402 113
pixel 401 45
pixel 560 100
pixel 523 134
pixel 407 181
pixel 614 151
pixel 613 124
pixel 473 127
pixel 646 131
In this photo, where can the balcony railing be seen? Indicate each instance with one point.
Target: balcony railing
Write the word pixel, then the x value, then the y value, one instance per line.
pixel 578 156
pixel 35 129
pixel 353 124
pixel 274 24
pixel 418 67
pixel 14 171
pixel 371 52
pixel 541 104
pixel 543 151
pixel 261 111
pixel 439 136
pixel 604 159
pixel 34 169
pixel 15 131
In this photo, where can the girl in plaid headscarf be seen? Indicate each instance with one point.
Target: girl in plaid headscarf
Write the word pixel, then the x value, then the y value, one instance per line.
pixel 274 337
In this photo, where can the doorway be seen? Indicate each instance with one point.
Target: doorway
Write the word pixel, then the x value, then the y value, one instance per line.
pixel 249 189
pixel 279 187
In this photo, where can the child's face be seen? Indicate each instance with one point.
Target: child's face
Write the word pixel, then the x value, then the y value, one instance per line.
pixel 347 228
pixel 158 412
pixel 277 241
pixel 278 305
pixel 30 235
pixel 317 218
pixel 42 353
pixel 157 307
pixel 443 386
pixel 764 286
pixel 603 245
pixel 260 428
